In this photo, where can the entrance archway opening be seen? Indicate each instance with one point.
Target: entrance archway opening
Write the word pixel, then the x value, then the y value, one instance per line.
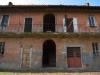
pixel 49 54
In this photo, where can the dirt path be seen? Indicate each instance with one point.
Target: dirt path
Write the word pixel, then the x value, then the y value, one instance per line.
pixel 57 73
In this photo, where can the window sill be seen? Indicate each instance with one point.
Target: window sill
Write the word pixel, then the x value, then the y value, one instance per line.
pixel 93 26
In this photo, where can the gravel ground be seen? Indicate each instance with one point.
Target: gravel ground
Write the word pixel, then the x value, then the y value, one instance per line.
pixel 55 73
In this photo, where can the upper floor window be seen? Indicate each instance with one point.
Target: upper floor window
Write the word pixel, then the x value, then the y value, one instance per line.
pixel 49 23
pixel 4 21
pixel 70 24
pixel 70 27
pixel 92 21
pixel 2 45
pixel 28 25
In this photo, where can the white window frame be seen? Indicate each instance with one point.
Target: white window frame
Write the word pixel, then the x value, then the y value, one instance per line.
pixel 92 18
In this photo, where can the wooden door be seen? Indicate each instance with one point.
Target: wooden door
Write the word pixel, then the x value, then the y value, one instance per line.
pixel 74 57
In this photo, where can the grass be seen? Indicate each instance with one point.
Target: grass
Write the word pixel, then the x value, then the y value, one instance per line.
pixel 45 73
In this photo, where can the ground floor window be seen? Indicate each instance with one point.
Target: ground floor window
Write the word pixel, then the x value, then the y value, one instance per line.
pixel 2 46
pixel 95 49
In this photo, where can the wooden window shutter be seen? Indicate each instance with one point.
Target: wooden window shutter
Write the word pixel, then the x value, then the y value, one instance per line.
pixel 75 24
pixel 64 24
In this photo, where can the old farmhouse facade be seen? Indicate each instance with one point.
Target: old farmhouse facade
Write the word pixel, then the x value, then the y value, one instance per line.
pixel 60 37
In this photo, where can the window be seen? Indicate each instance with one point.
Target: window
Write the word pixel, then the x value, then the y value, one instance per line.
pixel 4 21
pixel 2 45
pixel 92 21
pixel 70 24
pixel 70 27
pixel 95 49
pixel 28 25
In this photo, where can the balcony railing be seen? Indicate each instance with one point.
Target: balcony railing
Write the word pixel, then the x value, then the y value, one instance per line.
pixel 39 28
pixel 35 28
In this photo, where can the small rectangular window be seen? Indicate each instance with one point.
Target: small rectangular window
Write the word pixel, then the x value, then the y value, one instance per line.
pixel 2 46
pixel 4 21
pixel 95 49
pixel 92 21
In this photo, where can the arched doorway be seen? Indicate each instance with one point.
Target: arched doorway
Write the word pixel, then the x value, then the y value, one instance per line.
pixel 49 23
pixel 49 54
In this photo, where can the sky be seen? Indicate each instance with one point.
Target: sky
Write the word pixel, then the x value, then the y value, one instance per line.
pixel 51 2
